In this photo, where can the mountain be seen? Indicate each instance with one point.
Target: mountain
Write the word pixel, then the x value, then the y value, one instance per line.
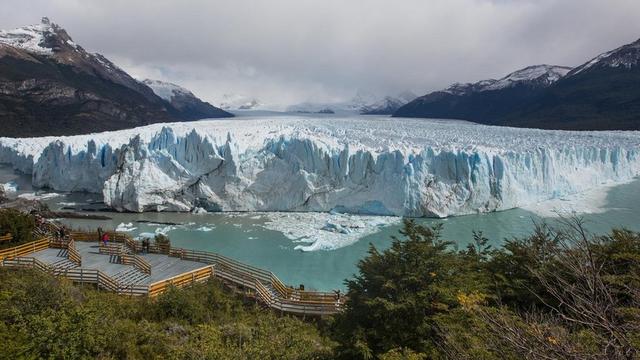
pixel 49 85
pixel 602 94
pixel 364 103
pixel 388 105
pixel 190 107
pixel 239 102
pixel 486 100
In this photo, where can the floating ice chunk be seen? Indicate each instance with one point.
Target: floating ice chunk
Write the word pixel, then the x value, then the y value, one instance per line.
pixel 10 187
pixel 125 227
pixel 165 230
pixel 145 235
pixel 324 231
pixel 205 228
pixel 38 196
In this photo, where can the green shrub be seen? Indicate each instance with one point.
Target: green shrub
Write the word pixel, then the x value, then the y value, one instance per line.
pixel 18 224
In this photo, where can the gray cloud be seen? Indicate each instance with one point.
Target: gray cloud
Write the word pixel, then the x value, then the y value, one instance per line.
pixel 286 51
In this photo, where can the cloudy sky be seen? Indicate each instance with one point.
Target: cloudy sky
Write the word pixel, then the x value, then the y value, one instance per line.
pixel 289 51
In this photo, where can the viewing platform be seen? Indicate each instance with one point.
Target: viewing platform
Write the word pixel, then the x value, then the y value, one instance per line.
pixel 121 266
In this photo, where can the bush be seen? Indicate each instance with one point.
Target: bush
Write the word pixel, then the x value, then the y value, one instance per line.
pixel 44 317
pixel 557 294
pixel 18 224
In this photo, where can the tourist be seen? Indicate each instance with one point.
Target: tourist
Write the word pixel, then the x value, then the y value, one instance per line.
pixel 99 233
pixel 105 239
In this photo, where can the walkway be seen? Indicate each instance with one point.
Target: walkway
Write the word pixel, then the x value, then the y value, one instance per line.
pixel 122 267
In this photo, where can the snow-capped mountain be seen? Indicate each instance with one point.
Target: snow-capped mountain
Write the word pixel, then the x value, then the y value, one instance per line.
pixel 51 85
pixel 362 103
pixel 627 57
pixel 53 42
pixel 387 105
pixel 239 102
pixel 602 94
pixel 184 100
pixel 405 167
pixel 534 76
pixel 485 100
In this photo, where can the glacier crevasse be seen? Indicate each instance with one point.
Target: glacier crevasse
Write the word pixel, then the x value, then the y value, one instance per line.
pixel 311 167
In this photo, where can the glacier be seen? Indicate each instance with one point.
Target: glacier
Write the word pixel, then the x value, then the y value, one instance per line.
pixel 358 165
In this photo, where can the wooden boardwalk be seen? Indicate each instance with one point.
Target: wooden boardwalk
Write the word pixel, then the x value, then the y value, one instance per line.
pixel 162 266
pixel 122 267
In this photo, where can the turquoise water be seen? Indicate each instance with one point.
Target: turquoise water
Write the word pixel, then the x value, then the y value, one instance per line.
pixel 243 238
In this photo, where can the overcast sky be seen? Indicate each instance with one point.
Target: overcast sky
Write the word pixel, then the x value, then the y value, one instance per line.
pixel 288 51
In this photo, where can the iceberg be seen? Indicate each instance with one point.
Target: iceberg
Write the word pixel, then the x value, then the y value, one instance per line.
pixel 367 166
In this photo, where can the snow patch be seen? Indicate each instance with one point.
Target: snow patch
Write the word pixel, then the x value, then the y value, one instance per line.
pixel 166 90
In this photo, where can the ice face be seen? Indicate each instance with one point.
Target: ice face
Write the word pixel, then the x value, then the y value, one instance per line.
pixel 364 165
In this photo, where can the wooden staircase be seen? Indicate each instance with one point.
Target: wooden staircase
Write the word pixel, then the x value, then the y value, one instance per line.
pixel 61 266
pixel 131 276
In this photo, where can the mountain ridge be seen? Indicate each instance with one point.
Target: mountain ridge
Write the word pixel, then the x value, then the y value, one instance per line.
pixel 49 85
pixel 601 94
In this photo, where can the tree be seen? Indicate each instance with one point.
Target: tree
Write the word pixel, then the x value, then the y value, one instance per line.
pixel 18 224
pixel 394 301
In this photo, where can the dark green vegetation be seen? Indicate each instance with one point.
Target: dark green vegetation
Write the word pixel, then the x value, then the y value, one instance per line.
pixel 18 224
pixel 553 295
pixel 557 294
pixel 43 317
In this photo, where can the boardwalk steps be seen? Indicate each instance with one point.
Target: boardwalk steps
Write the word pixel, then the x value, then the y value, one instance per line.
pixel 61 266
pixel 130 276
pixel 134 280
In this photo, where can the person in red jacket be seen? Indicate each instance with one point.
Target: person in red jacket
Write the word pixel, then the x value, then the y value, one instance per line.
pixel 105 238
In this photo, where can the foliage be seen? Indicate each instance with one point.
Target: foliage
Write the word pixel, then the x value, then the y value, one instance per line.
pixel 18 224
pixel 399 294
pixel 44 317
pixel 558 293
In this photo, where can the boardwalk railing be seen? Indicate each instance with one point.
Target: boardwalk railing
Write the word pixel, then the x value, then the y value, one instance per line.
pixel 267 286
pixel 7 237
pixel 74 255
pixel 24 249
pixel 78 275
pixel 279 297
pixel 181 280
pixel 137 262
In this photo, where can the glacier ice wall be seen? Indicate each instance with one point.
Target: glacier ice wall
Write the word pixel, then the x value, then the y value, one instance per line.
pixel 442 171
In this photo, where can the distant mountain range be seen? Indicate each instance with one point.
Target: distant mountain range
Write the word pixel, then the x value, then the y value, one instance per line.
pixel 240 102
pixel 602 94
pixel 49 85
pixel 362 103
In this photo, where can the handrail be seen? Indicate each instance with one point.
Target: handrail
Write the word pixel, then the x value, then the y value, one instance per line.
pixel 280 297
pixel 74 255
pixel 110 248
pixel 25 249
pixel 137 262
pixel 7 237
pixel 181 280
